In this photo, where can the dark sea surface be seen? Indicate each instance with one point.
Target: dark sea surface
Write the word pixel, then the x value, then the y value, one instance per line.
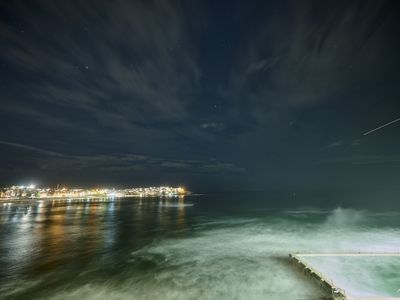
pixel 210 246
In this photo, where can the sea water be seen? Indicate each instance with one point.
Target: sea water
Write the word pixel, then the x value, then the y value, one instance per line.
pixel 361 276
pixel 211 246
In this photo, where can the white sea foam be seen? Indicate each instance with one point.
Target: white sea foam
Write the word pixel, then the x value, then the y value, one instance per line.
pixel 375 276
pixel 239 258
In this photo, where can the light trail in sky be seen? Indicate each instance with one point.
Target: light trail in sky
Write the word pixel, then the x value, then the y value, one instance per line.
pixel 382 126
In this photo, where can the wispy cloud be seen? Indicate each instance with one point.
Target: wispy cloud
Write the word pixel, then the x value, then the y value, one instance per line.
pixel 122 63
pixel 212 126
pixel 363 159
pixel 51 160
pixel 335 144
pixel 297 60
pixel 34 149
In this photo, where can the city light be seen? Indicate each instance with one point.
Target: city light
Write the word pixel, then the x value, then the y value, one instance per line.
pixel 33 192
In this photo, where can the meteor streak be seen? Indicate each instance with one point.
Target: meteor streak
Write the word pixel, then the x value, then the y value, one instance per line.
pixel 380 127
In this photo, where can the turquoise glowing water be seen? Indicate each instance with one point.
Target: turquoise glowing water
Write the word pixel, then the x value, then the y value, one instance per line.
pixel 220 246
pixel 371 276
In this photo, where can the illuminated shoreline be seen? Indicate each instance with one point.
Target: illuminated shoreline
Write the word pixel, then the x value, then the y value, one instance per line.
pixel 32 193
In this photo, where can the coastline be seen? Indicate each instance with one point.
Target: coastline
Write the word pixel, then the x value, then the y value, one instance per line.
pixel 2 200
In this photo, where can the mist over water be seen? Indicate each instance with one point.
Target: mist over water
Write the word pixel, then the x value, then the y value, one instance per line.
pixel 220 246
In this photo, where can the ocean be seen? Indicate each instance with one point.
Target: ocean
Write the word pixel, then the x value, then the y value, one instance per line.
pixel 205 246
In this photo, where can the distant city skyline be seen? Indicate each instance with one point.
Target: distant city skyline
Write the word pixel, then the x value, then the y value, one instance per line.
pixel 34 192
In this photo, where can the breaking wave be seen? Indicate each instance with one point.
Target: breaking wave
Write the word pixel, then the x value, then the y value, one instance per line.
pixel 240 258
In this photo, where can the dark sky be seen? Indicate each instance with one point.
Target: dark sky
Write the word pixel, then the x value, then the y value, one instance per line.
pixel 215 95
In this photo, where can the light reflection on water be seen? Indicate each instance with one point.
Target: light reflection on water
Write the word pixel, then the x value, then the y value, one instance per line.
pixel 41 237
pixel 172 248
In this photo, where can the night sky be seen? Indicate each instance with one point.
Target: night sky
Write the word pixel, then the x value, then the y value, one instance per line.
pixel 214 95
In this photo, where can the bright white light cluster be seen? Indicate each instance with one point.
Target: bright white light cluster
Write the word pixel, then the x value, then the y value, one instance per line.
pixel 31 191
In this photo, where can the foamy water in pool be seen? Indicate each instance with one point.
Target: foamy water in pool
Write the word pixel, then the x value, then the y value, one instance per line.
pixel 176 249
pixel 361 276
